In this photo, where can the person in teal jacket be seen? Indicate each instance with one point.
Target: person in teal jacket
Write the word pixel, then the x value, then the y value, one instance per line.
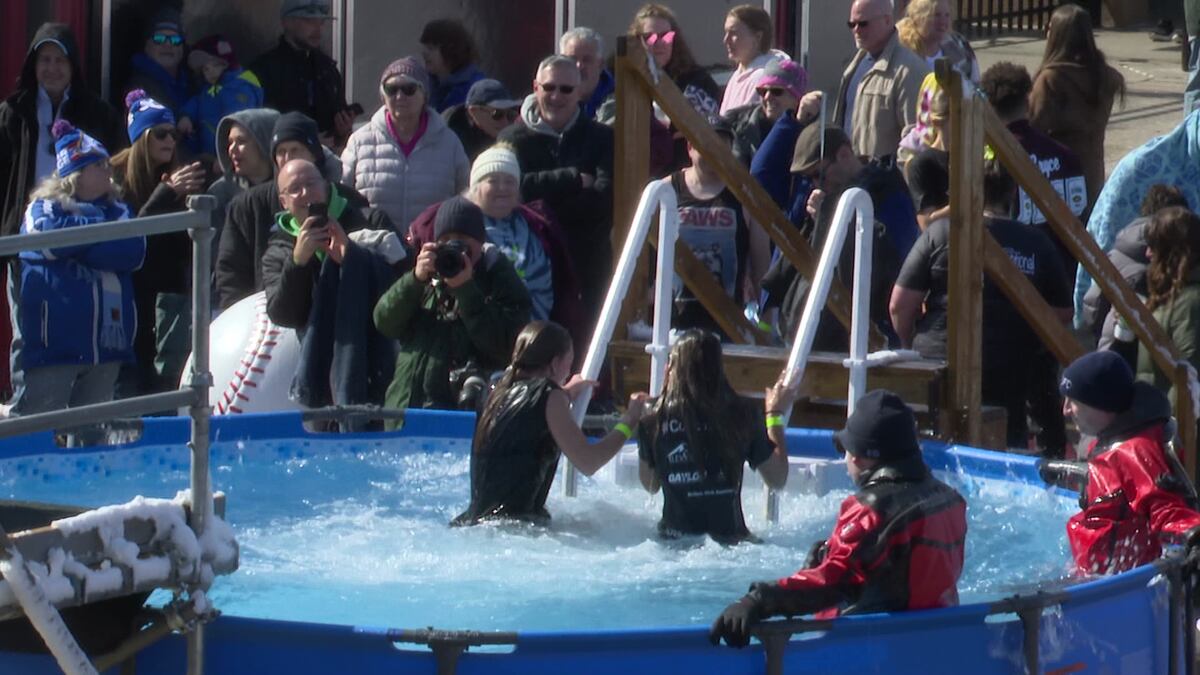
pixel 230 89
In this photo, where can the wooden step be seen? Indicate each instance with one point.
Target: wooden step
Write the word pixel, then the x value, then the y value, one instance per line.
pixel 751 369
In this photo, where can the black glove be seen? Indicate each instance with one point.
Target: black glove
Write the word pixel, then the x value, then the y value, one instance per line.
pixel 735 622
pixel 816 554
pixel 1064 473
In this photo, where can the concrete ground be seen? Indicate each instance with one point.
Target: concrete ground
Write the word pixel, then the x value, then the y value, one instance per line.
pixel 1153 75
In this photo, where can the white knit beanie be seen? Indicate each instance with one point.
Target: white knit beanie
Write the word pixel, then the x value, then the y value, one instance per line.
pixel 496 159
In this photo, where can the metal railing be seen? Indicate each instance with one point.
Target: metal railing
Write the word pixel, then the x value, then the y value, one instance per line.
pixel 856 203
pixel 658 196
pixel 197 222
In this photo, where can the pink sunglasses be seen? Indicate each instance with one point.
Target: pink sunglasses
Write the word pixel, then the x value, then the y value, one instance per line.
pixel 667 37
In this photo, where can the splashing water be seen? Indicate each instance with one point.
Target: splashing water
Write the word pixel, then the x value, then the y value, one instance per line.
pixel 355 533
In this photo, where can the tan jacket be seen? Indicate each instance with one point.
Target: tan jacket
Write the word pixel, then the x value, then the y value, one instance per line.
pixel 885 107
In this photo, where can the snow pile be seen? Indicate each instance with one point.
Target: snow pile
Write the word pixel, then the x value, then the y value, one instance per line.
pixel 183 558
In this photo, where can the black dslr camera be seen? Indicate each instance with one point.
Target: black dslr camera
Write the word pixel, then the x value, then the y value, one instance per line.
pixel 450 257
pixel 470 385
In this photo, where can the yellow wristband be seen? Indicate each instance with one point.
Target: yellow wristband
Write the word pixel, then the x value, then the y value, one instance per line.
pixel 775 421
pixel 623 429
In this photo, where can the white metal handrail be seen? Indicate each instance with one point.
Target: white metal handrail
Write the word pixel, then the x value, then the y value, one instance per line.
pixel 658 196
pixel 854 202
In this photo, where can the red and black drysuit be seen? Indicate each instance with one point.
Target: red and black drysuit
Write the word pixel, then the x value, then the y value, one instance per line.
pixel 897 544
pixel 1137 494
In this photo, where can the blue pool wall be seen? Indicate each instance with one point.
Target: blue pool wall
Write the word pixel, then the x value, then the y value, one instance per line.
pixel 1124 623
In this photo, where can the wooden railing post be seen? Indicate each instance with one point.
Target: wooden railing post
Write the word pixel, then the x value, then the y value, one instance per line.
pixel 631 168
pixel 965 314
pixel 1104 274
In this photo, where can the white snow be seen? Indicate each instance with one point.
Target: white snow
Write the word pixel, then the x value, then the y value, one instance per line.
pixel 186 559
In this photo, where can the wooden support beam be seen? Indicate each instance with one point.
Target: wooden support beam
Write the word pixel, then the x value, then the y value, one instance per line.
pixel 1029 302
pixel 754 199
pixel 1104 274
pixel 631 169
pixel 697 277
pixel 965 313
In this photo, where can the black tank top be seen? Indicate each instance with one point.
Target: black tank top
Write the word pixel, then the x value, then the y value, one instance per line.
pixel 513 468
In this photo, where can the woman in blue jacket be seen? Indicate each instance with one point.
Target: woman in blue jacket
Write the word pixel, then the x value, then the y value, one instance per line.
pixel 76 302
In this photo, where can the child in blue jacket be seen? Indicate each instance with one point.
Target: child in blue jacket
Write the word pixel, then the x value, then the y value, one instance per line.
pixel 230 89
pixel 75 303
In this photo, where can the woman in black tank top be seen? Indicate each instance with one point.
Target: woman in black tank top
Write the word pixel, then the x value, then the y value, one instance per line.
pixel 526 422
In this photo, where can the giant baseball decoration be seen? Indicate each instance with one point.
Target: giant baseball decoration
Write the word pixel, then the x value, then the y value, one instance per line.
pixel 252 359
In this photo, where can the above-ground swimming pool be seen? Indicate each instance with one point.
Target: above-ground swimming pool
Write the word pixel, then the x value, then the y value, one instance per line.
pixel 344 537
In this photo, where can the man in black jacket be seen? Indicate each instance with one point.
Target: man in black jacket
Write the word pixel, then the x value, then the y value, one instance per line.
pixel 297 76
pixel 566 161
pixel 323 271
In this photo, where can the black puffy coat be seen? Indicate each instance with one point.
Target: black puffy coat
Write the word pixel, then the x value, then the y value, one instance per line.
pixel 19 126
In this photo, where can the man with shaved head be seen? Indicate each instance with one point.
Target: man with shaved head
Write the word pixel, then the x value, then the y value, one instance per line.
pixel 316 224
pixel 327 261
pixel 877 101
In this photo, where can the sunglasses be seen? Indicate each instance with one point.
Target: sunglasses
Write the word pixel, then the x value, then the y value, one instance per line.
pixel 163 39
pixel 162 134
pixel 509 114
pixel 406 88
pixel 773 91
pixel 667 37
pixel 858 24
pixel 551 88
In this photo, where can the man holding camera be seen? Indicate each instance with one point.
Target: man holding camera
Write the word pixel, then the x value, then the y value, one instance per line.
pixel 327 261
pixel 456 314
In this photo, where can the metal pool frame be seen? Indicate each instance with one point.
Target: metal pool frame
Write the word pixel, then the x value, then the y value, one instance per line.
pixel 1132 622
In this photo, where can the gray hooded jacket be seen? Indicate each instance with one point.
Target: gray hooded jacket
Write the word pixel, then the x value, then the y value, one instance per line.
pixel 260 122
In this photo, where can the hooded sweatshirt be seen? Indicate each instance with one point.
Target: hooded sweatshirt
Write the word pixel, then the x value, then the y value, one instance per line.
pixel 259 122
pixel 21 134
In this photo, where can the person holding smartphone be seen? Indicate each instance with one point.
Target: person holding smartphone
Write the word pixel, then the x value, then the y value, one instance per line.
pixel 327 262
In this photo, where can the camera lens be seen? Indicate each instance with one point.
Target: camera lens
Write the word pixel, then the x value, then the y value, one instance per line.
pixel 448 259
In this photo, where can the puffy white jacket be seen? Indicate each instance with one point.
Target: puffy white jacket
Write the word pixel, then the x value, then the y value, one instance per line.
pixel 403 186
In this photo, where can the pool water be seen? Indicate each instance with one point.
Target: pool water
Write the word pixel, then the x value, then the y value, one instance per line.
pixel 355 533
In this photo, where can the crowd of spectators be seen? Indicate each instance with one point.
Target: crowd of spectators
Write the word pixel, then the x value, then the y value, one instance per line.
pixel 409 244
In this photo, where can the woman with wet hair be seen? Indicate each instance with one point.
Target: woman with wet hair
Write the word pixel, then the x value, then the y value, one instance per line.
pixel 697 437
pixel 1173 281
pixel 525 424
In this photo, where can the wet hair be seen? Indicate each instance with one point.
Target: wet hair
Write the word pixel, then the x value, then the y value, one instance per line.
pixel 453 40
pixel 1069 39
pixel 999 187
pixel 1173 237
pixel 758 21
pixel 917 16
pixel 137 173
pixel 682 60
pixel 719 424
pixel 1160 196
pixel 537 345
pixel 1006 86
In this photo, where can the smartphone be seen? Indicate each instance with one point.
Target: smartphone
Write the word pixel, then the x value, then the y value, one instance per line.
pixel 355 109
pixel 320 211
